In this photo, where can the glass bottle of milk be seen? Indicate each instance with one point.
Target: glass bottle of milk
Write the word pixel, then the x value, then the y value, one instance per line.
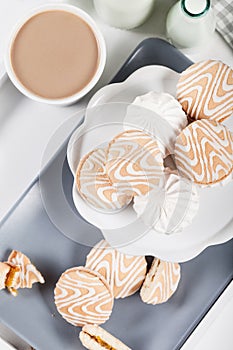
pixel 190 23
pixel 125 14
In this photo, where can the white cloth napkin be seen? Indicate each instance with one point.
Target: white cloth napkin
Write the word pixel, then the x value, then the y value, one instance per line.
pixel 224 16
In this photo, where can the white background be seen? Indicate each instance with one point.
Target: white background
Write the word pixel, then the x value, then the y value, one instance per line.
pixel 26 127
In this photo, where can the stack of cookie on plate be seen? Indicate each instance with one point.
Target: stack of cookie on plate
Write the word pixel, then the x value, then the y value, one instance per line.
pixel 134 167
pixel 84 296
pixel 168 149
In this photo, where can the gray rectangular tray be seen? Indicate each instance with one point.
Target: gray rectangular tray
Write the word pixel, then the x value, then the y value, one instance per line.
pixel 33 316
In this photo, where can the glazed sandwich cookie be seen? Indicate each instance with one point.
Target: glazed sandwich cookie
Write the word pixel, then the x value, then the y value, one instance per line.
pixel 94 185
pixel 169 209
pixel 161 282
pixel 12 281
pixel 165 123
pixel 83 296
pixel 124 273
pixel 28 273
pixel 205 91
pixel 134 162
pixel 96 338
pixel 204 152
pixel 18 272
pixel 4 272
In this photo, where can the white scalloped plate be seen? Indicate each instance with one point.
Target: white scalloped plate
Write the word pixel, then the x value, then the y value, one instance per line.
pixel 143 80
pixel 213 223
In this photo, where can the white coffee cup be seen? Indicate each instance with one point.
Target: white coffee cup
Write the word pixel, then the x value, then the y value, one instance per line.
pixel 101 50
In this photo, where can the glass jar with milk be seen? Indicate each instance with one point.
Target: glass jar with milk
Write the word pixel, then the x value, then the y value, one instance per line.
pixel 125 14
pixel 190 23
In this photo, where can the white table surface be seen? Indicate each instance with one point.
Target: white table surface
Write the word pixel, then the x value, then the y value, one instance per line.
pixel 26 128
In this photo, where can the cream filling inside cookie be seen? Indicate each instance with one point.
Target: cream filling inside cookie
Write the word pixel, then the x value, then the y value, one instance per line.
pixel 100 341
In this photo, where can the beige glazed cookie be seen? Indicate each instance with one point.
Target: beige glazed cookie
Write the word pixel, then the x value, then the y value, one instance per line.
pixel 18 272
pixel 4 271
pixel 83 296
pixel 161 282
pixel 94 185
pixel 124 273
pixel 96 338
pixel 28 273
pixel 205 90
pixel 204 152
pixel 134 162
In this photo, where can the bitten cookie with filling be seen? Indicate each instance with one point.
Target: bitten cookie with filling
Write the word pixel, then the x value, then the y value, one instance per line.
pixel 83 296
pixel 161 282
pixel 4 273
pixel 96 338
pixel 134 162
pixel 124 273
pixel 204 153
pixel 205 90
pixel 18 272
pixel 94 185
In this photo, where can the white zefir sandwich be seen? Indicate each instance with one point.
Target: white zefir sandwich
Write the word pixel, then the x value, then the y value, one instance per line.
pixel 159 114
pixel 170 208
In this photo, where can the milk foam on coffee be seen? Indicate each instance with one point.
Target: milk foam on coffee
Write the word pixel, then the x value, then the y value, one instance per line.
pixel 55 54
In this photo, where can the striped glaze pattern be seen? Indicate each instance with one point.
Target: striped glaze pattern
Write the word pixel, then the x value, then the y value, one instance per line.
pixel 204 152
pixel 161 282
pixel 83 296
pixel 124 273
pixel 28 273
pixel 134 162
pixel 205 90
pixel 94 184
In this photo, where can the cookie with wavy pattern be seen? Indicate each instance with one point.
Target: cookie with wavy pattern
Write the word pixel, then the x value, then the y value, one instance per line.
pixel 28 273
pixel 205 90
pixel 161 282
pixel 204 152
pixel 94 185
pixel 134 162
pixel 83 296
pixel 124 273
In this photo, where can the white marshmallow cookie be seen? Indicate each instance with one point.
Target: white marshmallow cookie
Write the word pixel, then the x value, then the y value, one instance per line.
pixel 159 114
pixel 171 208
